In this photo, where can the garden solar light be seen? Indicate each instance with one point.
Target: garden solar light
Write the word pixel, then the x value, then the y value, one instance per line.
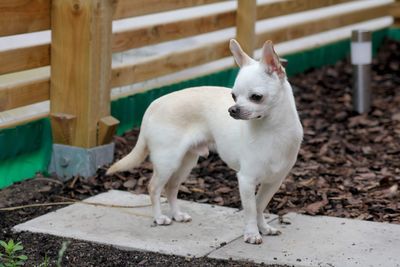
pixel 361 57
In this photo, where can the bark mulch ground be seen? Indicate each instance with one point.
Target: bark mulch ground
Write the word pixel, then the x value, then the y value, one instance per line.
pixel 348 166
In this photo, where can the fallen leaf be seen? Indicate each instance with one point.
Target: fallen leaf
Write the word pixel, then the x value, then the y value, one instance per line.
pixel 223 190
pixel 131 183
pixel 184 189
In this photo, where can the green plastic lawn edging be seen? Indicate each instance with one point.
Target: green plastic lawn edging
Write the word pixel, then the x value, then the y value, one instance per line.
pixel 26 149
pixel 393 33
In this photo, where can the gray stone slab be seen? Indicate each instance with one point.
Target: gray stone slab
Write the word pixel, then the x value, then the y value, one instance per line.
pixel 68 161
pixel 322 241
pixel 132 228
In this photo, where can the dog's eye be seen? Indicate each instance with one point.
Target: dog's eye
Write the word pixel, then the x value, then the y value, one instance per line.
pixel 256 97
pixel 234 97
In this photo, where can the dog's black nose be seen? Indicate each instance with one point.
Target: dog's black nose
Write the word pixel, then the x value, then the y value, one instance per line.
pixel 234 111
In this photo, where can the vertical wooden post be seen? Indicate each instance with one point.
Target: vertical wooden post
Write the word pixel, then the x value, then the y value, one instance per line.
pixel 395 12
pixel 80 69
pixel 246 17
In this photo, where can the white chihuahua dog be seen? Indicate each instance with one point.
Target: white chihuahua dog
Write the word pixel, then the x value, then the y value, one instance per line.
pixel 254 127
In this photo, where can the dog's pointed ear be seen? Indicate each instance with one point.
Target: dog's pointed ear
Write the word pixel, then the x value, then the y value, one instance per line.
pixel 271 60
pixel 241 58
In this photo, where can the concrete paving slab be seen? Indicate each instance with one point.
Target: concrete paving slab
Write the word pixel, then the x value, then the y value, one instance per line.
pixel 322 241
pixel 132 228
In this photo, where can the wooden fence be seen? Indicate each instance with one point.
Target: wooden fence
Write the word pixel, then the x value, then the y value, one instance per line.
pixel 83 42
pixel 395 12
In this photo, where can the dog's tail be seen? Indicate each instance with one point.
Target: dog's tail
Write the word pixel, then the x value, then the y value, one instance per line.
pixel 133 159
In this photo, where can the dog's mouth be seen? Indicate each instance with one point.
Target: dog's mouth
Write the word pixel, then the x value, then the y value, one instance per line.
pixel 241 117
pixel 244 115
pixel 236 117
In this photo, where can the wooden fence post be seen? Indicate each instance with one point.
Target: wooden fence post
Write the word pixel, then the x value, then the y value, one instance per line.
pixel 246 17
pixel 81 71
pixel 395 12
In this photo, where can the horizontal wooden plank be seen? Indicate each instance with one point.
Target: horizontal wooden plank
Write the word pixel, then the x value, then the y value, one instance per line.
pixel 171 31
pixel 395 10
pixel 23 94
pixel 24 120
pixel 133 8
pixel 155 67
pixel 316 26
pixel 24 58
pixel 157 33
pixel 280 8
pixel 23 16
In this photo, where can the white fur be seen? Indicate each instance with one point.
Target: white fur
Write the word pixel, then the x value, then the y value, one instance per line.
pixel 261 144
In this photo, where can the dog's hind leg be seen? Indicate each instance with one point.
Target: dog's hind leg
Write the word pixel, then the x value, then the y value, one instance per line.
pixel 166 162
pixel 172 187
pixel 155 187
pixel 264 196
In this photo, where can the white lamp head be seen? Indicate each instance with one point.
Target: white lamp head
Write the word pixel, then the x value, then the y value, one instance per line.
pixel 361 47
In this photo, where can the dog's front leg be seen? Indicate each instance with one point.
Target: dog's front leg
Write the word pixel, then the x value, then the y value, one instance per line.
pixel 247 188
pixel 264 196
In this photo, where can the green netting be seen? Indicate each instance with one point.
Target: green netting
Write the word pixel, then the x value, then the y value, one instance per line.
pixel 26 149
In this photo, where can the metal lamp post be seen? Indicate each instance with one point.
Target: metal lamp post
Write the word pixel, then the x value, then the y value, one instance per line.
pixel 361 58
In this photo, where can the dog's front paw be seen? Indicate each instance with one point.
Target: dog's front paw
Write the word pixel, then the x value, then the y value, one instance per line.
pixel 162 220
pixel 252 238
pixel 182 217
pixel 266 229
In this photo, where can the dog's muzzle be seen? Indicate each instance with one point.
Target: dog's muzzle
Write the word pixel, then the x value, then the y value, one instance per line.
pixel 234 111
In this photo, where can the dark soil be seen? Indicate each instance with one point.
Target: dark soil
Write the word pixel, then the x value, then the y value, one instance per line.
pixel 348 166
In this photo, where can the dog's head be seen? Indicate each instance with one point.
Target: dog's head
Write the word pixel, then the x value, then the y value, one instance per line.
pixel 258 85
